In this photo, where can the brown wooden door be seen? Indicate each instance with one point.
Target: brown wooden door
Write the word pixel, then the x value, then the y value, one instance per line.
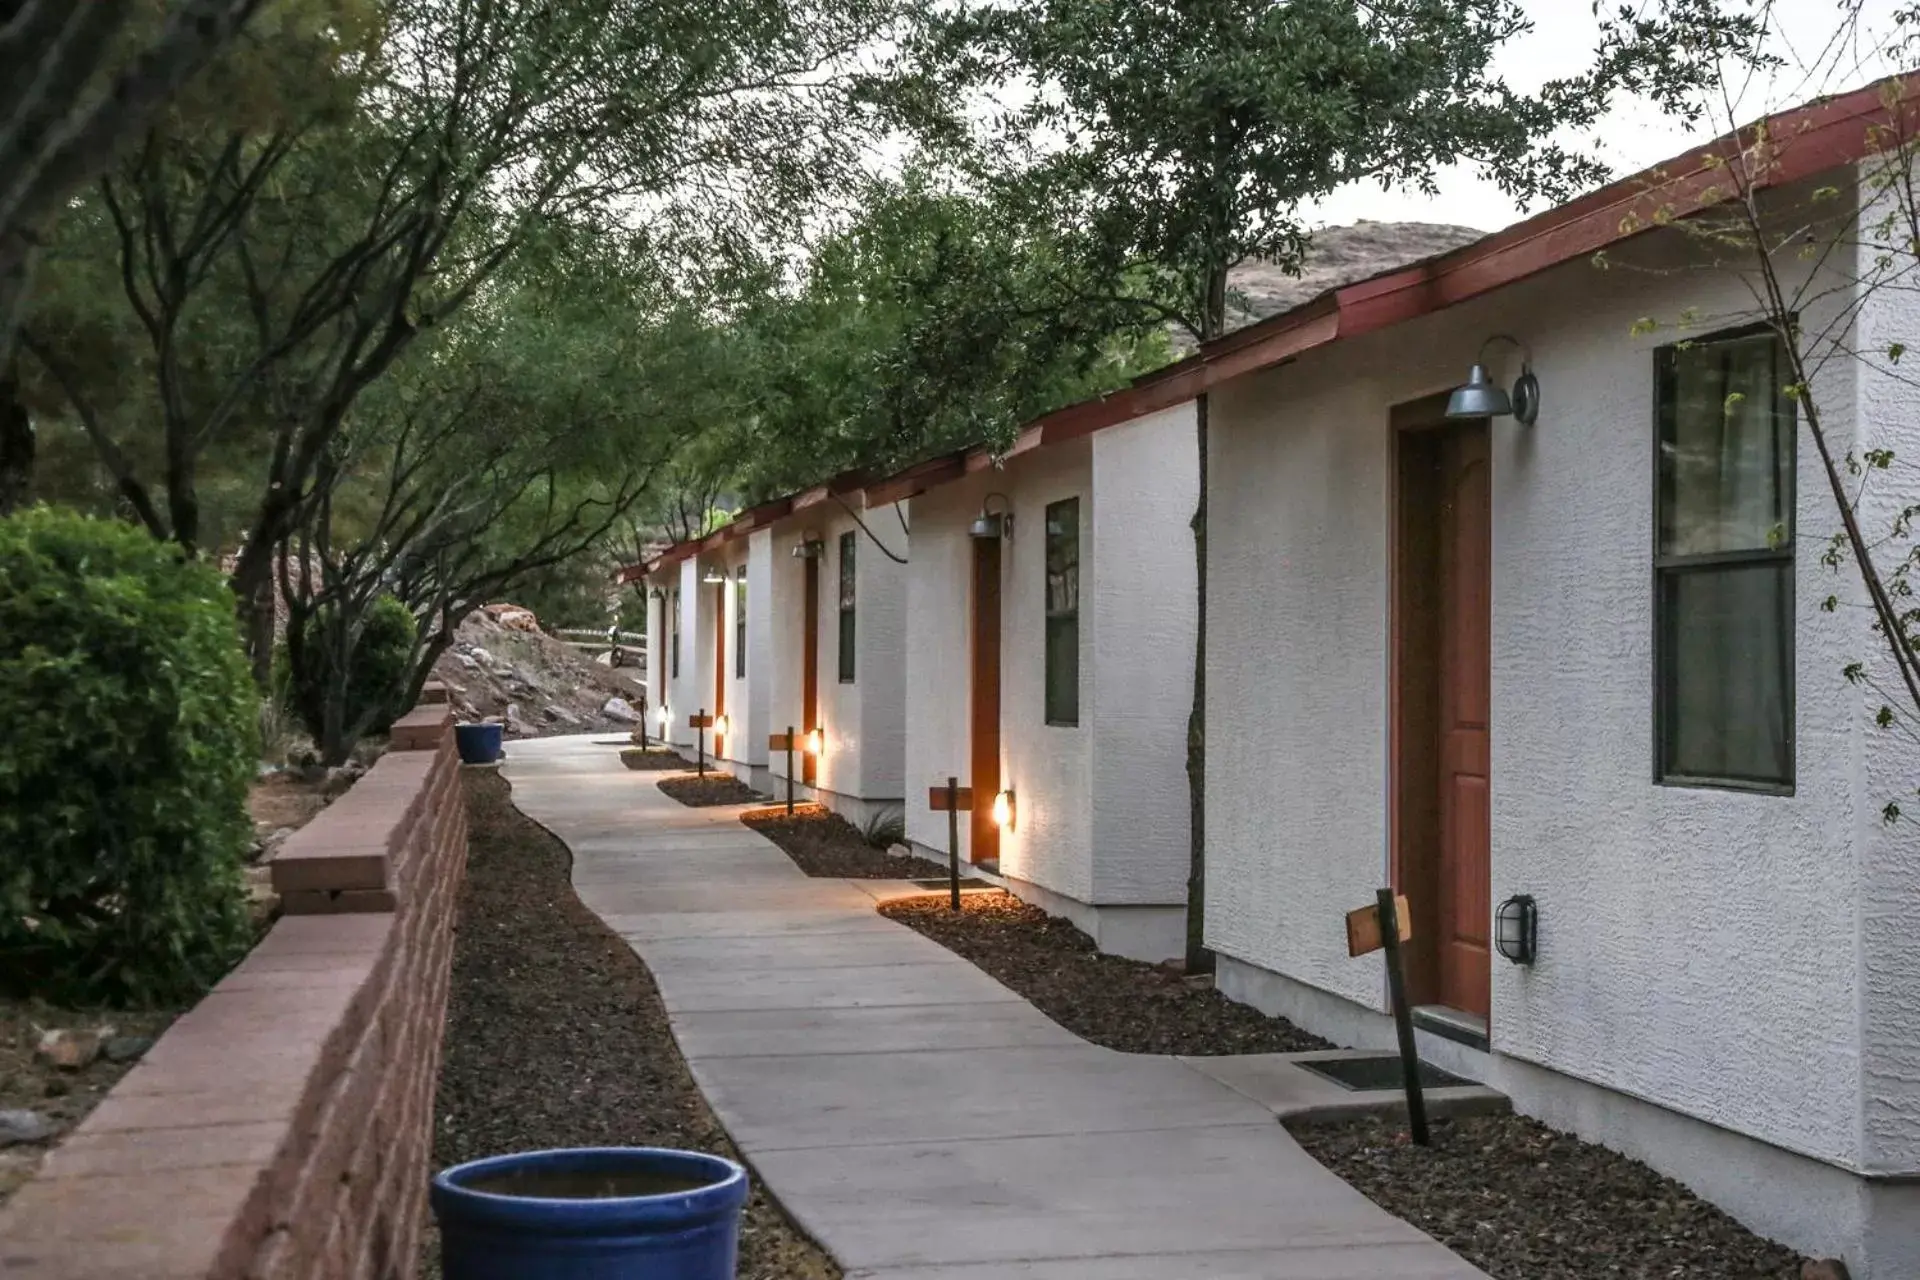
pixel 719 662
pixel 983 764
pixel 810 664
pixel 1465 678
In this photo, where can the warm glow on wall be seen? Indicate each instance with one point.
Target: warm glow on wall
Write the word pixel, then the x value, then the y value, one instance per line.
pixel 816 742
pixel 666 719
pixel 722 726
pixel 1003 812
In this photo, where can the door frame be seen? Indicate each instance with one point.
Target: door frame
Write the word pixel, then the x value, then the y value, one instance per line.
pixel 810 663
pixel 719 661
pixel 984 619
pixel 1416 427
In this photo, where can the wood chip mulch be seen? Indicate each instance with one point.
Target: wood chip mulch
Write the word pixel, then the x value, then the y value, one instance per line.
pixel 1524 1202
pixel 715 788
pixel 1121 1004
pixel 822 843
pixel 651 759
pixel 556 1036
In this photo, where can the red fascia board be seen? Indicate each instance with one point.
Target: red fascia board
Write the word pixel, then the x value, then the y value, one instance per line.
pixel 916 479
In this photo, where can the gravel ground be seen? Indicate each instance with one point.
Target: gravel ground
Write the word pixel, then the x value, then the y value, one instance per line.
pixel 651 759
pixel 1121 1004
pixel 556 1036
pixel 1523 1202
pixel 715 788
pixel 822 843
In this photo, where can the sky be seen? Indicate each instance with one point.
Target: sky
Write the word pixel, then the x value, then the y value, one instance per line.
pixel 1634 136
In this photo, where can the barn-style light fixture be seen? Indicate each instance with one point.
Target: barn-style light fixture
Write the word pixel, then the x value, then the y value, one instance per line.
pixel 1003 810
pixel 1483 398
pixel 990 523
pixel 816 742
pixel 666 717
pixel 809 549
pixel 659 593
pixel 714 577
pixel 1515 922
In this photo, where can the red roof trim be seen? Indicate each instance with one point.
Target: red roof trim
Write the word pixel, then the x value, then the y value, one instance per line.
pixel 1811 139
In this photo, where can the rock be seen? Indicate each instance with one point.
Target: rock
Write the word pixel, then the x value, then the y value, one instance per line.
pixel 1823 1269
pixel 516 727
pixel 466 660
pixel 342 777
pixel 900 850
pixel 70 1049
pixel 126 1048
pixel 521 675
pixel 561 714
pixel 618 708
pixel 482 658
pixel 24 1126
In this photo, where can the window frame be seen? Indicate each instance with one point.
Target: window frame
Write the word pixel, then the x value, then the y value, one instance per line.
pixel 1048 615
pixel 1665 567
pixel 673 633
pixel 740 625
pixel 846 601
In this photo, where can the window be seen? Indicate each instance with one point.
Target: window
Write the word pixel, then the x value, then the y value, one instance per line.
pixel 740 626
pixel 1063 612
pixel 846 608
pixel 1723 564
pixel 673 634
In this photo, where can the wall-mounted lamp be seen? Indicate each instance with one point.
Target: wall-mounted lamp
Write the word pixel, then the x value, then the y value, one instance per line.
pixel 741 573
pixel 816 741
pixel 1003 810
pixel 1481 398
pixel 666 717
pixel 1515 923
pixel 659 593
pixel 990 523
pixel 722 726
pixel 713 577
pixel 809 549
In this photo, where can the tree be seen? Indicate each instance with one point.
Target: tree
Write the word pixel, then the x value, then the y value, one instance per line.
pixel 1188 135
pixel 1823 269
pixel 309 254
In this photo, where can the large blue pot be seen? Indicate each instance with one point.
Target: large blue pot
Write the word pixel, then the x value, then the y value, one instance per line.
pixel 478 743
pixel 562 1215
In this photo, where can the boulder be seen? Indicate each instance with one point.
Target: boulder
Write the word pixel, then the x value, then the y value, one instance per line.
pixel 71 1049
pixel 24 1126
pixel 618 708
pixel 126 1048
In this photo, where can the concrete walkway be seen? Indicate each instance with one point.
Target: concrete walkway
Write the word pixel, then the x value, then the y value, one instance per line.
pixel 919 1119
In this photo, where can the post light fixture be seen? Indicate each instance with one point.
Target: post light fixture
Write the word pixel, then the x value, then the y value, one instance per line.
pixel 816 742
pixel 1515 923
pixel 1003 810
pixel 1483 398
pixel 809 549
pixel 990 523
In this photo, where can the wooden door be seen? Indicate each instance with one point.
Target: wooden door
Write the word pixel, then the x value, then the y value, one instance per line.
pixel 810 665
pixel 1465 546
pixel 719 662
pixel 983 765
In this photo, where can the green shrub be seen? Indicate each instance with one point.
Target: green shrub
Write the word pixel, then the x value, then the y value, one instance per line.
pixel 376 675
pixel 127 742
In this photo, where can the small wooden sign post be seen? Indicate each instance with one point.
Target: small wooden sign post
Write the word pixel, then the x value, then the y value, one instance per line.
pixel 702 722
pixel 785 742
pixel 1385 925
pixel 951 798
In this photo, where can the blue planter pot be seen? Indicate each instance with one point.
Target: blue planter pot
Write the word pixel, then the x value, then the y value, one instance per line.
pixel 594 1213
pixel 478 743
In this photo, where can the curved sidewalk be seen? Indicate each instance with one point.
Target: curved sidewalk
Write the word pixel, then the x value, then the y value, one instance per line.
pixel 919 1119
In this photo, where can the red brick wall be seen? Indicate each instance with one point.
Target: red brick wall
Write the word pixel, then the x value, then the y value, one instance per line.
pixel 282 1128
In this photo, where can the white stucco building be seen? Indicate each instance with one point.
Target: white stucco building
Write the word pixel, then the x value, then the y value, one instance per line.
pixel 1586 661
pixel 1053 660
pixel 790 616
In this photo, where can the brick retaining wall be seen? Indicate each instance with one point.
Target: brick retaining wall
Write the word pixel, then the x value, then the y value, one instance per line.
pixel 282 1127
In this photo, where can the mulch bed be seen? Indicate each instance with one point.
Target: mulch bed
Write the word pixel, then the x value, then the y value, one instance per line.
pixel 1523 1202
pixel 715 788
pixel 822 843
pixel 1121 1004
pixel 556 1036
pixel 651 759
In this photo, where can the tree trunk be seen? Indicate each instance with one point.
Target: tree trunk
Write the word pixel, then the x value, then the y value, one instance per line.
pixel 252 585
pixel 16 448
pixel 1213 321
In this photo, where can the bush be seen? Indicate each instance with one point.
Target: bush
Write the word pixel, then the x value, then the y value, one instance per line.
pixel 376 675
pixel 129 741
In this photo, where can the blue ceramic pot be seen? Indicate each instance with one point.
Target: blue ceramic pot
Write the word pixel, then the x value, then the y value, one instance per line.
pixel 594 1213
pixel 478 743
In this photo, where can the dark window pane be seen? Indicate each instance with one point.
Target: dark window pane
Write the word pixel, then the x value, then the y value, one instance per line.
pixel 846 608
pixel 673 626
pixel 740 628
pixel 1726 447
pixel 846 646
pixel 1726 672
pixel 1063 612
pixel 846 571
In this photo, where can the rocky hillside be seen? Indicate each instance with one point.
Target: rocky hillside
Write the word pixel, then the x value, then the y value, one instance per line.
pixel 535 684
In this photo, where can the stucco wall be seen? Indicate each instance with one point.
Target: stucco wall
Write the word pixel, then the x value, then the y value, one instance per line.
pixel 1698 947
pixel 861 720
pixel 687 691
pixel 1102 810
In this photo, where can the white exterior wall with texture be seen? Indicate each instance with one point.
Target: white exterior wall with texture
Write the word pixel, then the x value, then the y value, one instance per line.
pixel 1734 958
